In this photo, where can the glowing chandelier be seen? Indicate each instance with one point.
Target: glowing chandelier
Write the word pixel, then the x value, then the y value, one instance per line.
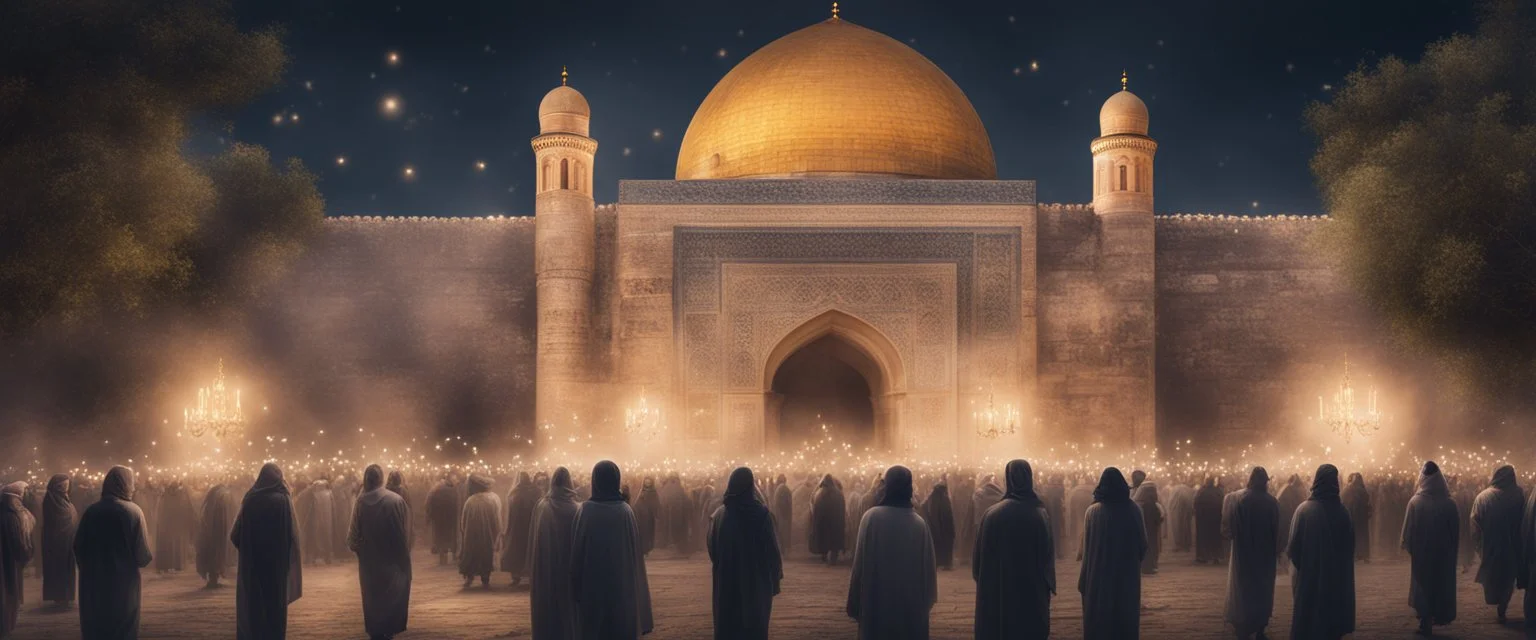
pixel 644 420
pixel 217 411
pixel 994 421
pixel 1344 417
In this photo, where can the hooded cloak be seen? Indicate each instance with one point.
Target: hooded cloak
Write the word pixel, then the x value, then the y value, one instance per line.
pixel 270 577
pixel 1291 496
pixel 1321 548
pixel 215 552
pixel 1496 517
pixel 1114 542
pixel 480 525
pixel 940 515
pixel 110 548
pixel 59 519
pixel 1431 531
pixel 894 583
pixel 982 499
pixel 316 519
pixel 549 561
pixel 380 535
pixel 677 514
pixel 782 501
pixel 521 501
pixel 1014 563
pixel 828 518
pixel 1253 526
pixel 1145 497
pixel 16 526
pixel 746 566
pixel 608 582
pixel 1079 498
pixel 1357 501
pixel 1055 508
pixel 647 509
pixel 176 527
pixel 1208 503
pixel 443 516
pixel 1181 516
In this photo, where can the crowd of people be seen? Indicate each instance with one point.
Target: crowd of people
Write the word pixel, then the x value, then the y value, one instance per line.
pixel 581 542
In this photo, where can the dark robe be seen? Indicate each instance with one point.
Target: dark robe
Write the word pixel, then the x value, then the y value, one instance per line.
pixel 266 534
pixel 213 543
pixel 1321 548
pixel 895 582
pixel 1527 578
pixel 1496 517
pixel 1253 526
pixel 58 541
pixel 608 582
pixel 16 526
pixel 1181 517
pixel 443 517
pixel 1055 499
pixel 1078 501
pixel 396 484
pixel 678 509
pixel 521 501
pixel 1114 542
pixel 1290 500
pixel 551 603
pixel 316 519
pixel 827 518
pixel 343 497
pixel 647 514
pixel 782 501
pixel 940 515
pixel 1431 534
pixel 177 526
pixel 380 535
pixel 746 566
pixel 1014 563
pixel 110 548
pixel 983 498
pixel 1208 501
pixel 1357 501
pixel 480 525
pixel 1145 497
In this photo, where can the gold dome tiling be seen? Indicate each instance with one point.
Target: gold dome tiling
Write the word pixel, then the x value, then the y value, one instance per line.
pixel 835 99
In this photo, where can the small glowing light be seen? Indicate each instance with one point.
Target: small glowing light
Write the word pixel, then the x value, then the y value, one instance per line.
pixel 479 165
pixel 1034 65
pixel 341 161
pixel 655 134
pixel 393 58
pixel 409 172
pixel 721 53
pixel 293 117
pixel 277 118
pixel 390 105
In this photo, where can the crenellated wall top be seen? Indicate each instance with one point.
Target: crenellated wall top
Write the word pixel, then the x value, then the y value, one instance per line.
pixel 382 220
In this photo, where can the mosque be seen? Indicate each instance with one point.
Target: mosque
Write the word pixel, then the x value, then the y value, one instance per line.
pixel 837 248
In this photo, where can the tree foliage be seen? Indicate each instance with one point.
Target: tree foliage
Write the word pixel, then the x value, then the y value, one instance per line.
pixel 1429 170
pixel 105 213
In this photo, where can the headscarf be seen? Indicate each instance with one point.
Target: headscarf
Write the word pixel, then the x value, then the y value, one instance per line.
pixel 269 479
pixel 1258 480
pixel 523 480
pixel 898 488
pixel 560 487
pixel 373 477
pixel 605 483
pixel 1431 482
pixel 17 488
pixel 1112 487
pixel 828 482
pixel 10 498
pixel 58 493
pixel 477 484
pixel 1021 482
pixel 1325 483
pixel 119 484
pixel 1504 478
pixel 741 489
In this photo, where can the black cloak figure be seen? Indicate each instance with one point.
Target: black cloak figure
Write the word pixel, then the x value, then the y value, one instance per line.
pixel 782 501
pixel 443 519
pixel 1152 515
pixel 1290 500
pixel 1208 501
pixel 521 501
pixel 647 513
pixel 1496 517
pixel 940 514
pixel 549 561
pixel 677 510
pixel 316 519
pixel 213 543
pixel 16 526
pixel 1431 533
pixel 266 533
pixel 1055 499
pixel 828 512
pixel 1321 547
pixel 894 583
pixel 1014 563
pixel 747 568
pixel 110 547
pixel 176 527
pixel 58 542
pixel 480 525
pixel 608 583
pixel 380 535
pixel 1114 542
pixel 1357 501
pixel 1253 526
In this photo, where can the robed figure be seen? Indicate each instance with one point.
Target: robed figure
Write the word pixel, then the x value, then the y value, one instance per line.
pixel 16 525
pixel 111 548
pixel 521 501
pixel 1014 563
pixel 1527 577
pixel 266 534
pixel 1114 542
pixel 1357 501
pixel 1208 501
pixel 1431 535
pixel 745 564
pixel 647 509
pixel 549 561
pixel 1321 548
pixel 176 526
pixel 480 526
pixel 895 582
pixel 316 519
pixel 608 583
pixel 443 519
pixel 214 552
pixel 782 501
pixel 940 515
pixel 380 535
pixel 1253 526
pixel 677 509
pixel 1152 515
pixel 827 521
pixel 1290 499
pixel 58 541
pixel 1496 517
pixel 1055 499
pixel 1181 516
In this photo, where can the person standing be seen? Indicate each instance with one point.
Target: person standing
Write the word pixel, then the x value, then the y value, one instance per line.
pixel 828 511
pixel 647 509
pixel 1181 516
pixel 396 485
pixel 1496 517
pixel 1152 515
pixel 521 501
pixel 1208 502
pixel 940 515
pixel 58 542
pixel 1357 501
pixel 1431 535
pixel 1114 543
pixel 1014 562
pixel 16 526
pixel 213 544
pixel 1290 499
pixel 270 577
pixel 608 582
pixel 1527 578
pixel 480 527
pixel 1321 548
pixel 110 549
pixel 745 563
pixel 1253 526
pixel 782 501
pixel 443 519
pixel 380 535
pixel 1055 499
pixel 894 583
pixel 550 602
pixel 316 516
pixel 177 524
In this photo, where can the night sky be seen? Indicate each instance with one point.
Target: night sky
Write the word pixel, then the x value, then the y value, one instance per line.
pixel 1226 82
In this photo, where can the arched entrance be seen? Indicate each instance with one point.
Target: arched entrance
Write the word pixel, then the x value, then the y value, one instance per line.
pixel 836 370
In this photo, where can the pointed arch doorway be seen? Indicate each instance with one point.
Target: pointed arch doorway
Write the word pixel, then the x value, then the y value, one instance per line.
pixel 835 370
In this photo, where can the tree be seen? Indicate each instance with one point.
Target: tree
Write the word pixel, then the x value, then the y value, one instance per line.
pixel 1429 171
pixel 106 215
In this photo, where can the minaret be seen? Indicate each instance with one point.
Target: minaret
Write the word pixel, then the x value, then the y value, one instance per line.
pixel 1122 198
pixel 564 252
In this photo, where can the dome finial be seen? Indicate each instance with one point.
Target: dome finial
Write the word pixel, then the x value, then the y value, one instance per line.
pixel 1124 81
pixel 565 75
pixel 835 11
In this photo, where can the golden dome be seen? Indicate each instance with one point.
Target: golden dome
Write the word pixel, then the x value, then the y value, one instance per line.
pixel 833 100
pixel 1123 113
pixel 564 110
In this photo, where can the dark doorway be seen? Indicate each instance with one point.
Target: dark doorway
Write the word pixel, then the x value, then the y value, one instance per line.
pixel 823 384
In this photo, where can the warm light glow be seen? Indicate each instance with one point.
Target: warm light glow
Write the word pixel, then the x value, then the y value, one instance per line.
pixel 390 106
pixel 217 411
